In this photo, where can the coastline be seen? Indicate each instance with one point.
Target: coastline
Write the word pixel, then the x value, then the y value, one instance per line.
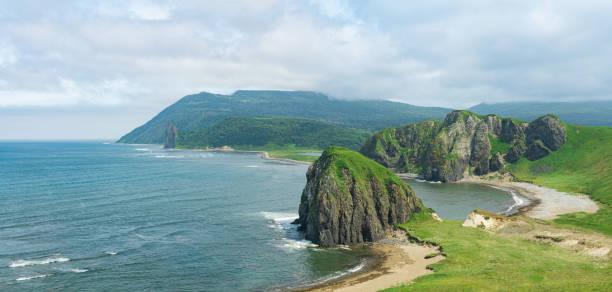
pixel 399 263
pixel 541 202
pixel 546 203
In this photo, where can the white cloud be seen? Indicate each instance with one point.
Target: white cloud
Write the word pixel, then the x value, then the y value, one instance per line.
pixel 70 93
pixel 8 54
pixel 148 11
pixel 443 53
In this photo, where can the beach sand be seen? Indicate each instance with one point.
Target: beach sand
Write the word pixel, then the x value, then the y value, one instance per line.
pixel 401 262
pixel 547 203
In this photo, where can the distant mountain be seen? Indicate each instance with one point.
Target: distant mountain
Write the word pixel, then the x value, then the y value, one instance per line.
pixel 586 113
pixel 198 111
pixel 257 132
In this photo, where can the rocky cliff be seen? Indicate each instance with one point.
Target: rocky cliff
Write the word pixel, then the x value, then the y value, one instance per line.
pixel 171 134
pixel 464 143
pixel 349 199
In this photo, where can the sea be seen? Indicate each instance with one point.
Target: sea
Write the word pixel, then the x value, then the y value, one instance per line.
pixel 99 216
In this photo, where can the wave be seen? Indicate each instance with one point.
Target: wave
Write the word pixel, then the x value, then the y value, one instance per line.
pixel 79 270
pixel 293 239
pixel 31 277
pixel 295 244
pixel 362 264
pixel 518 202
pixel 169 156
pixel 110 253
pixel 142 149
pixel 24 263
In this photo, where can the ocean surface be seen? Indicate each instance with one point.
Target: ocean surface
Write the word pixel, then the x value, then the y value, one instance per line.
pixel 93 216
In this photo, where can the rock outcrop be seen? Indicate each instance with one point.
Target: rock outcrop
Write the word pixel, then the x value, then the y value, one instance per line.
pixel 485 220
pixel 545 134
pixel 171 134
pixel 463 144
pixel 349 199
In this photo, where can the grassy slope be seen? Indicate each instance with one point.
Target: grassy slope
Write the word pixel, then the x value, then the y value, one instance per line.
pixel 582 165
pixel 361 167
pixel 479 261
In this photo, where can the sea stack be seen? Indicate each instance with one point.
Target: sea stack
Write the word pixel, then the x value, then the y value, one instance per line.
pixel 171 134
pixel 350 199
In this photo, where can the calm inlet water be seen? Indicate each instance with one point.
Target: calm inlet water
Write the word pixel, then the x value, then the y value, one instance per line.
pixel 93 216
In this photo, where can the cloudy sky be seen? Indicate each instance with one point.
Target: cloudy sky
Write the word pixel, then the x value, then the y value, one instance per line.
pixel 97 69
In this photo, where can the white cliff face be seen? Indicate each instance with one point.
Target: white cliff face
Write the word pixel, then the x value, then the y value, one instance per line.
pixel 484 220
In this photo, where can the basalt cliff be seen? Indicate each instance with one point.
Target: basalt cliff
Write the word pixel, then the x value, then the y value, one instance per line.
pixel 349 199
pixel 463 144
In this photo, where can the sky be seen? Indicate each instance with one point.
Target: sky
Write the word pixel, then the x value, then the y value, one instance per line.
pixel 97 69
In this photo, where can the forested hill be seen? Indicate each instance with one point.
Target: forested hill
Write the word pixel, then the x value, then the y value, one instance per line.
pixel 586 113
pixel 257 132
pixel 198 111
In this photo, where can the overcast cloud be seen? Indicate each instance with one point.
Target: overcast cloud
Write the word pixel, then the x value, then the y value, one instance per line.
pixel 114 64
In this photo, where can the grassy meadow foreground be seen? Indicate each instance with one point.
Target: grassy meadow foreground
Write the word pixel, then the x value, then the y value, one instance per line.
pixel 481 261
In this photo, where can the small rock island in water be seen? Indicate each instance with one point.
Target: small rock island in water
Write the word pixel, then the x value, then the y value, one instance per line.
pixel 349 199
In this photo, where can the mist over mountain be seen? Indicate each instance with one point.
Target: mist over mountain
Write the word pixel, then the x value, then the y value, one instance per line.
pixel 586 113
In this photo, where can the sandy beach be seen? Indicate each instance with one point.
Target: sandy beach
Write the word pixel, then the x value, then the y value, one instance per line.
pixel 547 203
pixel 401 262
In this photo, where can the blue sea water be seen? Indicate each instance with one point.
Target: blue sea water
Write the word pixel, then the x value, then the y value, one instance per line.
pixel 93 216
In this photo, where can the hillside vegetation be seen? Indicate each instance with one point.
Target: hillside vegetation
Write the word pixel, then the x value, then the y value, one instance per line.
pixel 582 165
pixel 586 113
pixel 463 144
pixel 198 111
pixel 272 133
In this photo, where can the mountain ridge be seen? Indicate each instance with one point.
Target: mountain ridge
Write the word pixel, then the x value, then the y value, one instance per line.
pixel 197 111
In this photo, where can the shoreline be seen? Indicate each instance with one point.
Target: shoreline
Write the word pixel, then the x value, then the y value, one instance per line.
pixel 399 262
pixel 546 203
pixel 264 154
pixel 542 202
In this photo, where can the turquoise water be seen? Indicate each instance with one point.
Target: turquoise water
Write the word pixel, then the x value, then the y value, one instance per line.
pixel 88 216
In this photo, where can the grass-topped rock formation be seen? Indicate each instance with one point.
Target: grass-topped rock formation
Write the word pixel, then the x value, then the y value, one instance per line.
pixel 349 199
pixel 464 143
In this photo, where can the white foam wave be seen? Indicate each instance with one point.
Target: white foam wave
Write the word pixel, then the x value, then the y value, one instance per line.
pixel 31 277
pixel 111 252
pixel 339 274
pixel 280 217
pixel 142 149
pixel 518 201
pixel 169 156
pixel 341 246
pixel 23 263
pixel 296 244
pixel 79 270
pixel 357 267
pixel 252 166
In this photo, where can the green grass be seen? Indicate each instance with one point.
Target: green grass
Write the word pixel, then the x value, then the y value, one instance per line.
pixel 582 165
pixel 479 261
pixel 497 145
pixel 361 168
pixel 285 151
